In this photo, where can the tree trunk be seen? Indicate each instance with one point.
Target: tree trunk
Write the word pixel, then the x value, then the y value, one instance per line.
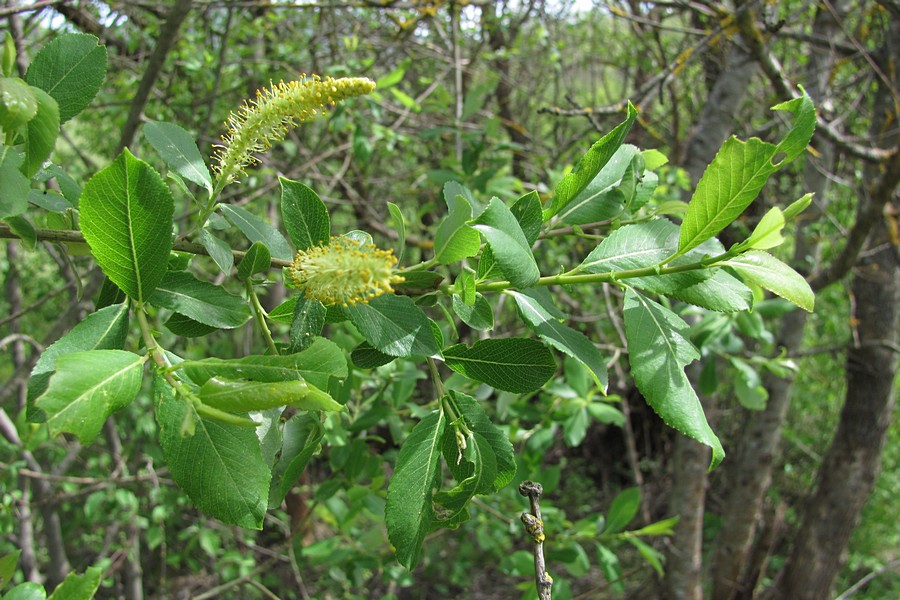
pixel 749 473
pixel 684 557
pixel 853 460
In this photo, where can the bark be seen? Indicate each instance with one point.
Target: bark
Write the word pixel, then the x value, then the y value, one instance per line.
pixel 853 460
pixel 684 564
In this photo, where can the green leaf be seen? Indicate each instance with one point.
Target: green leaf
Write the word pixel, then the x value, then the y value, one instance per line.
pixel 481 473
pixel 623 509
pixel 202 301
pixel 394 77
pixel 394 325
pixel 109 294
pixel 605 413
pixel 302 435
pixel 653 556
pixel 14 185
pixel 476 97
pixel 420 282
pixel 751 397
pixel 517 365
pixel 71 69
pixel 730 183
pixel 632 247
pixel 510 248
pixel 179 150
pixel 527 211
pixel 768 272
pixel 454 240
pixel 26 591
pixel 126 218
pixel 477 420
pixel 452 189
pixel 399 227
pixel 220 467
pixel 409 514
pixel 269 432
pixel 23 228
pixel 78 587
pixel 465 283
pixel 804 126
pixel 8 57
pixel 51 201
pixel 305 216
pixel 560 336
pixel 603 199
pixel 658 350
pixel 40 133
pixel 365 356
pixel 284 312
pixel 478 316
pixel 317 364
pixel 575 427
pixel 654 159
pixel 241 396
pixel 308 321
pixel 218 250
pixel 708 382
pixel 767 233
pixel 187 327
pixel 105 329
pixel 590 164
pixel 406 100
pixel 257 260
pixel 68 186
pixel 610 567
pixel 664 527
pixel 722 292
pixel 797 206
pixel 8 564
pixel 18 103
pixel 258 230
pixel 87 387
pixel 646 245
pixel 737 173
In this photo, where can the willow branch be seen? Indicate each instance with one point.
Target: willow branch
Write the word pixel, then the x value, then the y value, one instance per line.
pixel 71 236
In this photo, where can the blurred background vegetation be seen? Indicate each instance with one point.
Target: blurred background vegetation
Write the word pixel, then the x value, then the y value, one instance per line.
pixel 503 97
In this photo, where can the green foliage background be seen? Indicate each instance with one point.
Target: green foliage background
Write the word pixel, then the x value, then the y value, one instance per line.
pixel 402 146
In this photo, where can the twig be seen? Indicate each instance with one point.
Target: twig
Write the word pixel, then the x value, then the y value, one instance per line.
pixel 180 245
pixel 783 88
pixel 39 5
pixel 869 577
pixel 534 525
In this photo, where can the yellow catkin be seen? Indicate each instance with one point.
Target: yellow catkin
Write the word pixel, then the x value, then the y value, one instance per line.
pixel 344 272
pixel 260 123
